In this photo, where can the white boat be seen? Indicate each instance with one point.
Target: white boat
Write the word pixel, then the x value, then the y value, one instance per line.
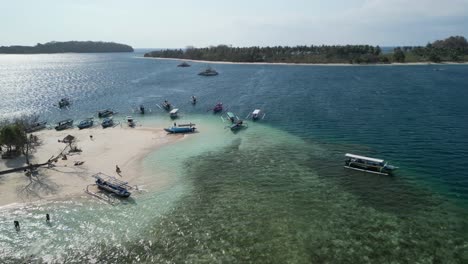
pixel 130 121
pixel 256 115
pixel 366 164
pixel 174 113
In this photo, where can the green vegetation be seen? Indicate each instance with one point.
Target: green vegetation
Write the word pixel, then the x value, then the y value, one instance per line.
pixel 69 46
pixel 453 49
pixel 13 138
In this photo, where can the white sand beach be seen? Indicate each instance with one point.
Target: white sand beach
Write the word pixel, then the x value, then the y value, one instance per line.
pixel 122 146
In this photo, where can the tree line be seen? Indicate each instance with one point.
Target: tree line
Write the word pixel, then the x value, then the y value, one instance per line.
pixel 68 46
pixel 451 49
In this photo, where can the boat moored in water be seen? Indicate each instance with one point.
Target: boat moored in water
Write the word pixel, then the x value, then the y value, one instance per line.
pixel 174 113
pixel 182 128
pixel 105 113
pixel 231 117
pixel 208 72
pixel 112 185
pixel 237 125
pixel 64 124
pixel 88 122
pixel 36 127
pixel 108 122
pixel 366 164
pixel 166 105
pixel 64 102
pixel 218 107
pixel 183 64
pixel 130 121
pixel 256 114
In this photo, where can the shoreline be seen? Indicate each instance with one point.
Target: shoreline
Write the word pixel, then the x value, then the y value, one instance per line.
pixel 311 64
pixel 125 147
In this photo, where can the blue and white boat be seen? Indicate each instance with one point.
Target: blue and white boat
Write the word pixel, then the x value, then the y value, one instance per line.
pixel 108 122
pixel 88 122
pixel 182 128
pixel 112 185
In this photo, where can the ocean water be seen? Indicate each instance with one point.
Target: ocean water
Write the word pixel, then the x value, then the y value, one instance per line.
pixel 275 192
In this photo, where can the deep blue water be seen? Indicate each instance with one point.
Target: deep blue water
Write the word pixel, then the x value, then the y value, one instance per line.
pixel 412 116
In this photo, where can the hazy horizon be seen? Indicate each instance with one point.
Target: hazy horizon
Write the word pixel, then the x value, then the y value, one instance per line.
pixel 155 24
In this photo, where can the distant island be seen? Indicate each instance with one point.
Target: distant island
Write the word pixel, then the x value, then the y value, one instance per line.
pixel 68 46
pixel 452 49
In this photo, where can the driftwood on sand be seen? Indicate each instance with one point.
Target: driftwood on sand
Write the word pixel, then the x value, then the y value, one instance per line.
pixel 32 167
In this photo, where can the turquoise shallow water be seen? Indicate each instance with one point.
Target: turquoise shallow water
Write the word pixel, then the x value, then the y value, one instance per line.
pixel 273 193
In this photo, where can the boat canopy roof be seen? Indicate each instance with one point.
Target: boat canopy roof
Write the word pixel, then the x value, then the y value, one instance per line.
pixel 111 179
pixel 363 158
pixel 230 114
pixel 65 121
pixel 174 111
pixel 256 112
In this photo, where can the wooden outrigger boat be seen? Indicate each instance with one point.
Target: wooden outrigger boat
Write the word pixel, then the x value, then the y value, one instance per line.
pixel 366 164
pixel 64 124
pixel 112 185
pixel 257 114
pixel 108 122
pixel 36 127
pixel 174 113
pixel 231 117
pixel 88 122
pixel 64 102
pixel 105 113
pixel 218 108
pixel 182 128
pixel 166 105
pixel 237 125
pixel 208 72
pixel 183 64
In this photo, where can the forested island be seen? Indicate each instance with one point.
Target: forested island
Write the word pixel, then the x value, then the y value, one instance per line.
pixel 68 46
pixel 452 49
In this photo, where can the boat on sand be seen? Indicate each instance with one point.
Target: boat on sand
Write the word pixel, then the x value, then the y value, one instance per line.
pixel 182 128
pixel 112 185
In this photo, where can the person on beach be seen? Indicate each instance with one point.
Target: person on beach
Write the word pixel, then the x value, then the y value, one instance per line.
pixel 117 169
pixel 91 137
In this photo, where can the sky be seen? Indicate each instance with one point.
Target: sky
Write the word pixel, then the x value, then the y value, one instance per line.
pixel 201 23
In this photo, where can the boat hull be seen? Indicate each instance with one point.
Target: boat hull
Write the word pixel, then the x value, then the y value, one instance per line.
pixel 369 170
pixel 117 191
pixel 174 130
pixel 85 125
